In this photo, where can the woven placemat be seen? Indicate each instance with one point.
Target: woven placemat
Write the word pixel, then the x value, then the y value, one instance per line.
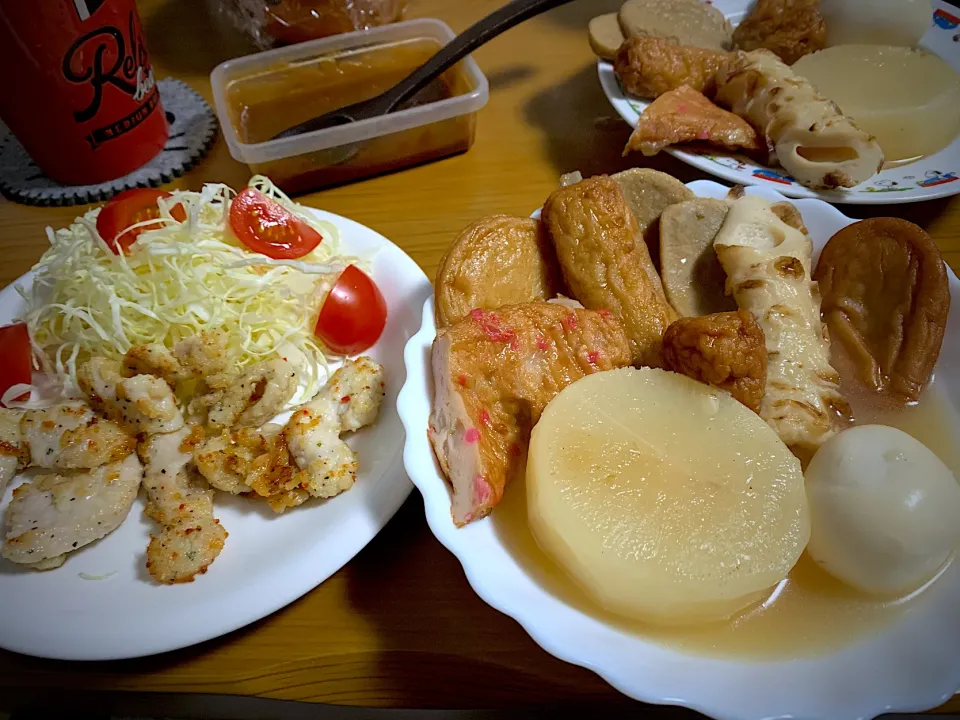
pixel 193 128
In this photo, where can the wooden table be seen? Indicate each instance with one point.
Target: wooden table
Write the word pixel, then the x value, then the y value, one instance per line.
pixel 399 626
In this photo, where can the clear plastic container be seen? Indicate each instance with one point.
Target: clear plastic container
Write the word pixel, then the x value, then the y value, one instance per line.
pixel 260 95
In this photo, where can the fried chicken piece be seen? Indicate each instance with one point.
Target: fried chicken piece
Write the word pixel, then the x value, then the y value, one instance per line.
pixel 190 537
pixel 14 453
pixel 226 460
pixel 200 356
pixel 350 401
pixel 651 66
pixel 606 263
pixel 494 373
pixel 71 436
pixel 496 261
pixel 256 396
pixel 788 28
pixel 53 515
pixel 685 115
pixel 726 350
pixel 143 403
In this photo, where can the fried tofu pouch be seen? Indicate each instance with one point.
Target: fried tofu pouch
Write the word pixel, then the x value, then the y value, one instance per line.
pixel 650 66
pixel 806 133
pixel 606 264
pixel 498 260
pixel 767 263
pixel 494 372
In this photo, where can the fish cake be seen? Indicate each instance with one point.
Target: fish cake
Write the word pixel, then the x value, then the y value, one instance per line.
pixel 498 260
pixel 688 22
pixel 494 372
pixel 606 263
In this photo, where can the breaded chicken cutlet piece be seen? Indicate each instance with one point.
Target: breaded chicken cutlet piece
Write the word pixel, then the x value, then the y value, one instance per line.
pixel 306 458
pixel 650 66
pixel 142 403
pixel 53 515
pixel 350 401
pixel 71 436
pixel 494 372
pixel 727 350
pixel 606 263
pixel 14 453
pixel 190 537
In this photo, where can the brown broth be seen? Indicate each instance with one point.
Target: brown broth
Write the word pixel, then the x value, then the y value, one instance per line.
pixel 810 612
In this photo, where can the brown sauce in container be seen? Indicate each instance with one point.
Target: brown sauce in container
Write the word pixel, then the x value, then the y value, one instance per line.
pixel 268 102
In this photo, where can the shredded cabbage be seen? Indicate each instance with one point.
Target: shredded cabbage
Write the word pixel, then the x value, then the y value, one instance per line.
pixel 178 279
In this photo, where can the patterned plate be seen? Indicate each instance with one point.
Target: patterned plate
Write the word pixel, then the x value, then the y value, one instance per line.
pixel 934 176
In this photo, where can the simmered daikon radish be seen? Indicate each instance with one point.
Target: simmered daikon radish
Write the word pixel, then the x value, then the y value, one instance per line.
pixel 877 22
pixel 909 99
pixel 665 499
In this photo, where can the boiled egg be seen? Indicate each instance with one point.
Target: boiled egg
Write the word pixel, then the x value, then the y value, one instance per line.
pixel 884 510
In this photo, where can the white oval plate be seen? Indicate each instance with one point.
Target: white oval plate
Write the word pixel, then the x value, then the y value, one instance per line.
pixel 268 561
pixel 909 666
pixel 934 176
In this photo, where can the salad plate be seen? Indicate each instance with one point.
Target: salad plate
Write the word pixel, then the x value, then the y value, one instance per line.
pixel 102 604
pixel 910 664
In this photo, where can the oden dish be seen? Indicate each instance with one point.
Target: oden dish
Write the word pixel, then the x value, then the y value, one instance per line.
pixel 818 631
pixel 897 92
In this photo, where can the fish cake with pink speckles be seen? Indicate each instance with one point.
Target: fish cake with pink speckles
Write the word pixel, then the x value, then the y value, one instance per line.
pixel 494 372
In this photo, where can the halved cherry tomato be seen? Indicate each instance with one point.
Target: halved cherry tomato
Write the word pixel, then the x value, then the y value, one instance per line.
pixel 267 227
pixel 353 315
pixel 14 356
pixel 129 208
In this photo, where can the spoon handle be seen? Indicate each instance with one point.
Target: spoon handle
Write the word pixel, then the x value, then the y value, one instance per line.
pixel 482 31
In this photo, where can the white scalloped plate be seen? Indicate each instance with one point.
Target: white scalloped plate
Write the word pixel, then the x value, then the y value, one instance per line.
pixel 911 665
pixel 268 561
pixel 931 177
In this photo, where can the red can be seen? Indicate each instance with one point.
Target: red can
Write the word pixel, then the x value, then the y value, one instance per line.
pixel 78 89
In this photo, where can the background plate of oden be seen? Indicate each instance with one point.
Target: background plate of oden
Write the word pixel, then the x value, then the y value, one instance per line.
pixel 906 659
pixel 930 177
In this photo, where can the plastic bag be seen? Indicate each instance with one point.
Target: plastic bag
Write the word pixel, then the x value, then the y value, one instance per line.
pixel 280 22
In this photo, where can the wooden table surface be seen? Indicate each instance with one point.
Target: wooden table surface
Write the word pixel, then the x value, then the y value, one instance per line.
pixel 399 626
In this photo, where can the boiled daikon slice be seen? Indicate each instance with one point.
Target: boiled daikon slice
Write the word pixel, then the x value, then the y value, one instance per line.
pixel 909 99
pixel 878 22
pixel 666 500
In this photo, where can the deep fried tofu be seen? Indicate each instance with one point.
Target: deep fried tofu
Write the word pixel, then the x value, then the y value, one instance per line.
pixel 494 373
pixel 651 66
pixel 498 260
pixel 685 115
pixel 788 28
pixel 726 350
pixel 606 263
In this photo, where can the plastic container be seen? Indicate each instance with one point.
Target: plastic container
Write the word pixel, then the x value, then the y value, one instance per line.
pixel 260 95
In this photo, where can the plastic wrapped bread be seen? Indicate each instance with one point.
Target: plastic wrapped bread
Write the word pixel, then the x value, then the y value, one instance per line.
pixel 767 263
pixel 806 133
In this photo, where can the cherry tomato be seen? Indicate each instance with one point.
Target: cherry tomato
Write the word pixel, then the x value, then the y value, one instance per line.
pixel 129 208
pixel 267 227
pixel 353 315
pixel 14 356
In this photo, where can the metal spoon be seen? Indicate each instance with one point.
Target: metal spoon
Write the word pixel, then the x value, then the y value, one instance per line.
pixel 479 33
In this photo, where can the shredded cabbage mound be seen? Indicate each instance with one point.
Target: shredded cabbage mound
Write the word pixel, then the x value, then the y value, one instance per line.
pixel 179 279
